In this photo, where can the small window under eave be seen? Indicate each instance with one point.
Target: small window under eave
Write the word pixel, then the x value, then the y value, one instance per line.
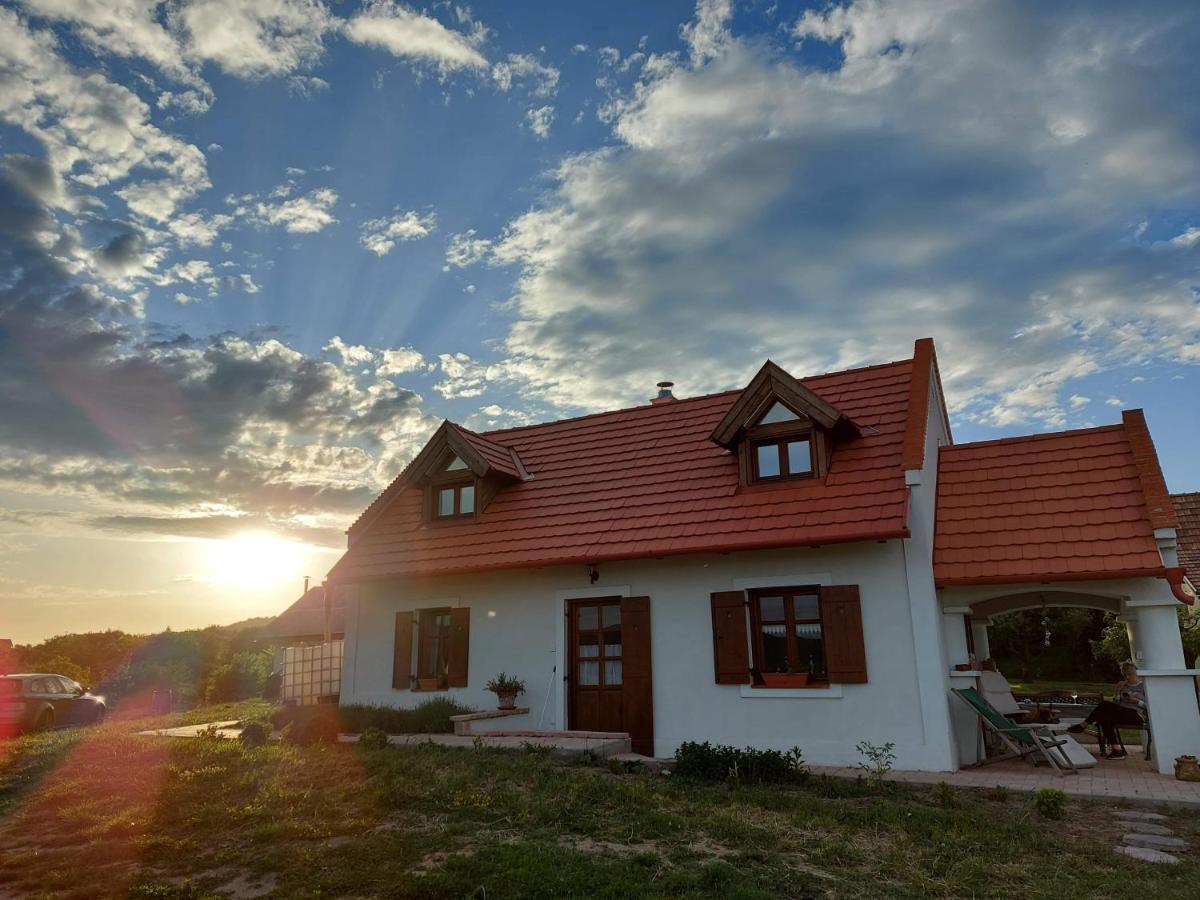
pixel 455 465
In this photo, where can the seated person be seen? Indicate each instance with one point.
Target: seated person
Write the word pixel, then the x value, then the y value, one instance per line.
pixel 1128 708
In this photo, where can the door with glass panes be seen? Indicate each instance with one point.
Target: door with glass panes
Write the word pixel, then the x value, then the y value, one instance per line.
pixel 596 676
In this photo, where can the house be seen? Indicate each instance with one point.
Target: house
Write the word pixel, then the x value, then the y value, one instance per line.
pixel 1187 507
pixel 800 562
pixel 308 640
pixel 304 622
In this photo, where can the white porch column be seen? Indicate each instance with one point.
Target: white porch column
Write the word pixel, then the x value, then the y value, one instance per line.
pixel 1170 690
pixel 963 721
pixel 979 632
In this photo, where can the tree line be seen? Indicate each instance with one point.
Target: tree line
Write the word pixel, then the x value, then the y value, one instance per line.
pixel 203 665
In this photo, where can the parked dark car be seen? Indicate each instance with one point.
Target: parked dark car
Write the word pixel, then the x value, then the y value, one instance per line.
pixel 39 702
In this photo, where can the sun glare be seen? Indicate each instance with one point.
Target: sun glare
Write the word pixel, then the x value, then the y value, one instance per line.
pixel 254 559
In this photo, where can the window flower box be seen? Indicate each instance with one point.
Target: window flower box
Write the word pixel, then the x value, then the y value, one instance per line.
pixel 786 679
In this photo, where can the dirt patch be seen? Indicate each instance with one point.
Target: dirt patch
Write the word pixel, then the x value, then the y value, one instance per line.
pixel 436 860
pixel 246 886
pixel 591 845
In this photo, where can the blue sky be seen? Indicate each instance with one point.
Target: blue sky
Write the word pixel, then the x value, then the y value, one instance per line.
pixel 252 252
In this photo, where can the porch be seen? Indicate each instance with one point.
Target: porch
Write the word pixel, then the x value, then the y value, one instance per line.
pixel 1146 606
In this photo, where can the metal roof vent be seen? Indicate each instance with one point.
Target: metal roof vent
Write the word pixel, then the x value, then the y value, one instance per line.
pixel 664 392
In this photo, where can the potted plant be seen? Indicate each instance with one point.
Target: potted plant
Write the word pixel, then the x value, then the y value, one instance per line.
pixel 506 689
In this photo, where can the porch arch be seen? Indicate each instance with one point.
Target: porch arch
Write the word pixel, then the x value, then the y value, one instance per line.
pixel 1011 602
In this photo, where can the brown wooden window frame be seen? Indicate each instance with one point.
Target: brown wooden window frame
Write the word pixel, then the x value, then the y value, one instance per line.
pixel 790 622
pixel 455 482
pixel 781 444
pixel 438 667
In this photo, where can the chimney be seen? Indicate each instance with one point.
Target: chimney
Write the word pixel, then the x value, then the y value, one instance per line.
pixel 664 393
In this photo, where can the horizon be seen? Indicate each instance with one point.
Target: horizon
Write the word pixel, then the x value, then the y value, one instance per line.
pixel 243 281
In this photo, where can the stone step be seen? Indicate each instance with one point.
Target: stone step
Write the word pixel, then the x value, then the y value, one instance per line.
pixel 1140 815
pixel 1146 828
pixel 1155 841
pixel 1145 854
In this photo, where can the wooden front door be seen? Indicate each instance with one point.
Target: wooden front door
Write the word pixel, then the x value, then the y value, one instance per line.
pixel 609 675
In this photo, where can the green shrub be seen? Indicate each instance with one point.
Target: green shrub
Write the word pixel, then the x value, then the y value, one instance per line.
pixel 878 762
pixel 431 717
pixel 706 762
pixel 243 674
pixel 373 738
pixel 1050 802
pixel 944 795
pixel 255 734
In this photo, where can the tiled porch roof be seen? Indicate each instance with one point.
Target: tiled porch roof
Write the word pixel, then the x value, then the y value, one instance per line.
pixel 1049 507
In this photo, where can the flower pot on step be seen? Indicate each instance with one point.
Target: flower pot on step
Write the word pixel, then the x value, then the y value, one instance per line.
pixel 507 701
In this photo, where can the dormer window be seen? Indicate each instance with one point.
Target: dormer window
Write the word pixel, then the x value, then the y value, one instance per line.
pixel 781 430
pixel 783 458
pixel 453 491
pixel 455 501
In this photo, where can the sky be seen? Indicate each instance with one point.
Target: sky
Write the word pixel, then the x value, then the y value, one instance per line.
pixel 252 252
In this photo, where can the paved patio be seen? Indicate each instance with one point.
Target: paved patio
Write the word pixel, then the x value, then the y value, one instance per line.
pixel 1131 779
pixel 566 743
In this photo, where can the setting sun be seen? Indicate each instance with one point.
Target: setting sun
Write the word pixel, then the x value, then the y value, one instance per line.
pixel 254 559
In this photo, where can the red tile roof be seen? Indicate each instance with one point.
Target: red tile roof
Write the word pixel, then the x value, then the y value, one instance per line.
pixel 648 482
pixel 1154 486
pixel 1187 508
pixel 305 619
pixel 499 457
pixel 1063 506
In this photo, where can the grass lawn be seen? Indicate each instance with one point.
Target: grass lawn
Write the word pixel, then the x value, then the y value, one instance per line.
pixel 1048 687
pixel 105 812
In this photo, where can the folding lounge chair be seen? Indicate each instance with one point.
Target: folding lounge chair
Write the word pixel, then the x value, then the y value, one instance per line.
pixel 1021 740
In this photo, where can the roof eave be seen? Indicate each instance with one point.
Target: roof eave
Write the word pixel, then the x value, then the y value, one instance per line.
pixel 597 559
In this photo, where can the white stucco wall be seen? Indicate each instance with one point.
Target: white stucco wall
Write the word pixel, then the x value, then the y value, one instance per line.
pixel 525 637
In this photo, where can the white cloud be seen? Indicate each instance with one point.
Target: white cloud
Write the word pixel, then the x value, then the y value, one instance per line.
pixel 197 227
pixel 1078 401
pixel 399 361
pixel 254 39
pixel 539 120
pixel 352 354
pixel 405 32
pixel 526 67
pixel 96 132
pixel 306 214
pixel 306 86
pixel 380 235
pixel 755 206
pixel 385 363
pixel 465 249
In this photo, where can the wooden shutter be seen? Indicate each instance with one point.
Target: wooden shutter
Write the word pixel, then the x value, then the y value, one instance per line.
pixel 460 644
pixel 637 696
pixel 402 652
pixel 731 655
pixel 842 630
